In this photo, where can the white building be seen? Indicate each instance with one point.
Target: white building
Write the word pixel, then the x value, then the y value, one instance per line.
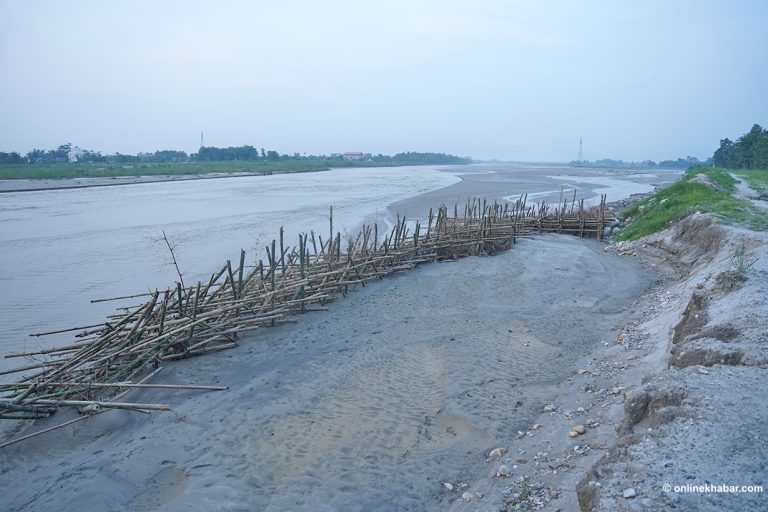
pixel 75 154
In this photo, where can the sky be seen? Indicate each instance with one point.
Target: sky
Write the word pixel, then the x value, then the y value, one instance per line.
pixel 507 79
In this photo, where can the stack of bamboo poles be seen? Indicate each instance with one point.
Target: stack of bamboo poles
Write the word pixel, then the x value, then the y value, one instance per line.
pixel 209 316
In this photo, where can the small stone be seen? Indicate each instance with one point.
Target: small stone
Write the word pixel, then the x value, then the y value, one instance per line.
pixel 580 409
pixel 497 453
pixel 550 408
pixel 621 337
pixel 536 426
pixel 704 371
pixel 467 496
pixel 573 433
pixel 629 493
pixel 503 471
pixel 581 371
pixel 579 429
pixel 617 390
pixel 448 486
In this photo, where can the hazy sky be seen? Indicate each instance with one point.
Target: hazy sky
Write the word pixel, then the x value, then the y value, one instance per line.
pixel 510 79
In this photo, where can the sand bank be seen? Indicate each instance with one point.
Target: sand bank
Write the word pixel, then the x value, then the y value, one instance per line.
pixel 676 397
pixel 403 385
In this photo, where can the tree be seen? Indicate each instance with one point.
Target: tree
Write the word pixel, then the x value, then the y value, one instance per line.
pixel 750 151
pixel 760 152
pixel 724 155
pixel 11 158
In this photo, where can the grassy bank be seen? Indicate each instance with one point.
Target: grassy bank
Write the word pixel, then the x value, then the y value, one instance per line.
pixel 701 189
pixel 109 170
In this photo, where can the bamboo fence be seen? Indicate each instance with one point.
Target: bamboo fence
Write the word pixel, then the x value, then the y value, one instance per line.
pixel 187 321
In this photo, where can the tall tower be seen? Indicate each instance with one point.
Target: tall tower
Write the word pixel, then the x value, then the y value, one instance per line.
pixel 581 151
pixel 202 145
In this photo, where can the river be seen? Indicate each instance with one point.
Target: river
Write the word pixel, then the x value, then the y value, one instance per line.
pixel 60 249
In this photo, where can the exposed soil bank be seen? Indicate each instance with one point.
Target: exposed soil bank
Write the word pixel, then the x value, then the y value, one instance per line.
pixel 401 386
pixel 677 397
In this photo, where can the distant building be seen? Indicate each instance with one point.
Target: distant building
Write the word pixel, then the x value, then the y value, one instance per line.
pixel 353 155
pixel 75 154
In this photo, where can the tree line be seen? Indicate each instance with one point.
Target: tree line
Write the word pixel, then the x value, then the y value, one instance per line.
pixel 750 151
pixel 680 163
pixel 68 153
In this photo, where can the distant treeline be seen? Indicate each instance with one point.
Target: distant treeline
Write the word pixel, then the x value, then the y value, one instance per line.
pixel 67 153
pixel 250 153
pixel 680 163
pixel 750 151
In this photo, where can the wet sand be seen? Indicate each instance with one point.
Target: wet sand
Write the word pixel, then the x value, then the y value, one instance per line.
pixel 497 182
pixel 368 406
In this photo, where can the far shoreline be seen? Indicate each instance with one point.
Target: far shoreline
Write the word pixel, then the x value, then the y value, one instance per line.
pixel 46 184
pixel 39 185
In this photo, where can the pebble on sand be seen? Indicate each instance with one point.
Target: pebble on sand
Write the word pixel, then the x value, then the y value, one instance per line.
pixel 448 486
pixel 497 453
pixel 503 471
pixel 630 493
pixel 579 429
pixel 467 496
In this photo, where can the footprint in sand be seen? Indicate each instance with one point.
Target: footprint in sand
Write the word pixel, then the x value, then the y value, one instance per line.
pixel 161 488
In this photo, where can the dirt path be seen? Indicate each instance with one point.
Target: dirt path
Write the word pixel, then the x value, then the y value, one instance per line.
pixel 744 191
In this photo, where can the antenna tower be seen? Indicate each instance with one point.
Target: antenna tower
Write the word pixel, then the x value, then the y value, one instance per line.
pixel 581 151
pixel 202 145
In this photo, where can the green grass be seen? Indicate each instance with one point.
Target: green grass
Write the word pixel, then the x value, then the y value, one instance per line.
pixel 756 178
pixel 692 193
pixel 109 170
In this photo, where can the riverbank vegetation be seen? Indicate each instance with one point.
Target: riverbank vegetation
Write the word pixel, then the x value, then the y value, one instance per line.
pixel 67 161
pixel 680 163
pixel 709 190
pixel 750 151
pixel 115 170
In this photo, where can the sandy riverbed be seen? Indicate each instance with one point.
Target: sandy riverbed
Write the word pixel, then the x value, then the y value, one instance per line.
pixel 370 405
